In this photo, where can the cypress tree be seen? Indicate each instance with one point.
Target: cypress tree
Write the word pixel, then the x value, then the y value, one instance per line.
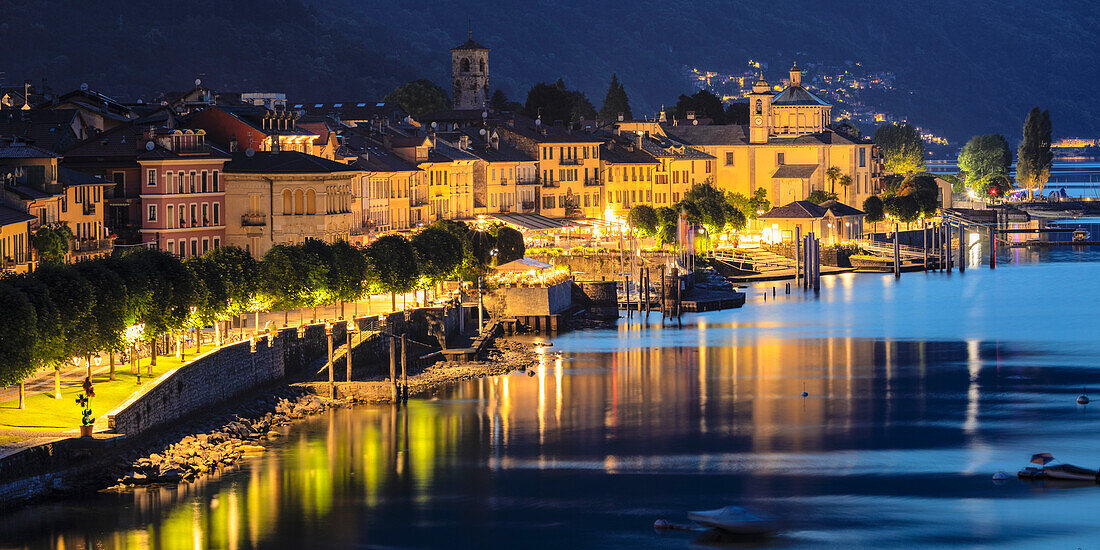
pixel 615 101
pixel 1033 156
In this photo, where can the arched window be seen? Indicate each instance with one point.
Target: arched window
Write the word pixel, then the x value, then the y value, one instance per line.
pixel 299 202
pixel 288 203
pixel 759 107
pixel 311 202
pixel 482 65
pixel 465 65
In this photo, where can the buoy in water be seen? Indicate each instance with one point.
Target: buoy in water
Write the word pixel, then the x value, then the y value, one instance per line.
pixel 1082 400
pixel 1000 476
pixel 660 524
pixel 805 394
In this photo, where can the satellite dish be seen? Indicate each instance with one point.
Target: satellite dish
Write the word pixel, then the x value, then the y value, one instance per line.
pixel 484 114
pixel 538 122
pixel 84 86
pixel 695 122
pixel 149 145
pixel 482 131
pixel 434 125
pixel 140 102
pixel 250 152
pixel 198 81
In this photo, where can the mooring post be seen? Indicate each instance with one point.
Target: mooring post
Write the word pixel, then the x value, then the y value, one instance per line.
pixel 897 253
pixel 393 369
pixel 924 243
pixel 962 249
pixel 948 253
pixel 817 265
pixel 404 367
pixel 797 253
pixel 349 329
pixel 331 376
pixel 992 248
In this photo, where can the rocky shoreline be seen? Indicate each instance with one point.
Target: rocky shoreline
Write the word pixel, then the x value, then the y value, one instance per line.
pixel 220 441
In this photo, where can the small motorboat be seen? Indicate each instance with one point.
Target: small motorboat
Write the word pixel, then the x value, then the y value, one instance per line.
pixel 1080 236
pixel 1031 472
pixel 1070 472
pixel 735 520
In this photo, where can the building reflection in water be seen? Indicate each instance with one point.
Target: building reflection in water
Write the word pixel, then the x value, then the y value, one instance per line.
pixel 681 409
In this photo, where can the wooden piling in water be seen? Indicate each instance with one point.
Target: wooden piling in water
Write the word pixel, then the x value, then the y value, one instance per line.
pixel 924 244
pixel 797 254
pixel 962 249
pixel 404 367
pixel 947 246
pixel 897 253
pixel 992 248
pixel 817 264
pixel 393 369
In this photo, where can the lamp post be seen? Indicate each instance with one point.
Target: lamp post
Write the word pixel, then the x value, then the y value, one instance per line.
pixel 198 333
pixel 98 359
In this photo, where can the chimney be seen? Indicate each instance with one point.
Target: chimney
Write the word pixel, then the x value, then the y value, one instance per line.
pixel 148 133
pixel 275 145
pixel 621 116
pixel 233 144
pixel 464 142
pixel 662 117
pixel 691 115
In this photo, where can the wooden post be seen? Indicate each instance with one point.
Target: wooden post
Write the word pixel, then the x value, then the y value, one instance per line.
pixel 22 394
pixel 331 375
pixel 347 360
pixel 947 246
pixel 404 367
pixel 817 264
pixel 393 369
pixel 992 248
pixel 897 253
pixel 797 253
pixel 664 293
pixel 647 302
pixel 111 356
pixel 641 281
pixel 962 249
pixel 924 243
pixel 626 294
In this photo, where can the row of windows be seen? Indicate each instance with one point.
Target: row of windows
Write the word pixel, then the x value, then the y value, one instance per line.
pixel 197 247
pixel 185 182
pixel 571 153
pixel 193 215
pixel 645 173
pixel 14 249
pixel 86 193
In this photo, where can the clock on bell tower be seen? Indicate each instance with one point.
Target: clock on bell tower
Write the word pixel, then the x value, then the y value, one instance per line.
pixel 760 107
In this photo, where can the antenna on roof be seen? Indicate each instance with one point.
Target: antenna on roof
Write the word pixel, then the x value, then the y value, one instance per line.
pixel 470 28
pixel 149 145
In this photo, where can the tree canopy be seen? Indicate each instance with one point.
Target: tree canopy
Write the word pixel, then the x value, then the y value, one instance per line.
pixel 393 264
pixel 51 241
pixel 902 148
pixel 643 219
pixel 703 103
pixel 1033 156
pixel 983 156
pixel 615 102
pixel 509 244
pixel 439 253
pixel 420 97
pixel 873 208
pixel 555 103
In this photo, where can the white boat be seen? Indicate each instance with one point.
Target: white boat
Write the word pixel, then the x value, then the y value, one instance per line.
pixel 1071 472
pixel 735 520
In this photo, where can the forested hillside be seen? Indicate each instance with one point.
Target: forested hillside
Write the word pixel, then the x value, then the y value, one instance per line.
pixel 972 67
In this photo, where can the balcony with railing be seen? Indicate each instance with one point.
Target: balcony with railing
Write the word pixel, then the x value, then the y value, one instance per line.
pixel 89 208
pixel 91 247
pixel 592 182
pixel 570 162
pixel 253 220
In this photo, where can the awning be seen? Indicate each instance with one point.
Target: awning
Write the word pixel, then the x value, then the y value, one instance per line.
pixel 523 264
pixel 794 171
pixel 533 222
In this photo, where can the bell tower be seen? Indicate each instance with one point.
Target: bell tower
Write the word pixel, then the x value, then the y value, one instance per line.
pixel 760 111
pixel 470 74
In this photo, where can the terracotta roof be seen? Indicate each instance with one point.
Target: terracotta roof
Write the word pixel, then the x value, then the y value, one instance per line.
pixel 795 210
pixel 354 110
pixel 733 134
pixel 9 216
pixel 546 133
pixel 284 162
pixel 840 209
pixel 68 176
pixel 795 171
pixel 24 151
pixel 46 128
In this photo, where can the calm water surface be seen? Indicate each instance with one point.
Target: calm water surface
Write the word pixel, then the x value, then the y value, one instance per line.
pixel 919 390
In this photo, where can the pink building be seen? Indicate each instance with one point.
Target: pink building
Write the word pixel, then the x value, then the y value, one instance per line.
pixel 182 194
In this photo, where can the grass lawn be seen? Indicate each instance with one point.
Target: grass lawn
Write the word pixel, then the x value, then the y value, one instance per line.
pixel 44 413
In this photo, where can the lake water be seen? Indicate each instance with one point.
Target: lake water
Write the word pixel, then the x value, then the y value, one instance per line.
pixel 919 391
pixel 1079 177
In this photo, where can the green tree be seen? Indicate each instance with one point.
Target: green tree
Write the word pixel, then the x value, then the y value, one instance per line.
pixel 394 266
pixel 874 210
pixel 18 336
pixel 509 244
pixel 240 274
pixel 420 97
pixel 555 103
pixel 347 274
pixel 902 148
pixel 643 219
pixel 982 156
pixel 832 174
pixel 817 196
pixel 317 254
pixel 211 293
pixel 957 184
pixel 171 291
pixel 845 182
pixel 904 208
pixel 704 104
pixel 74 299
pixel 500 102
pixel 666 225
pixel 615 102
pixel 1033 156
pixel 48 347
pixel 923 189
pixel 288 277
pixel 51 241
pixel 995 186
pixel 439 254
pixel 111 313
pixel 847 127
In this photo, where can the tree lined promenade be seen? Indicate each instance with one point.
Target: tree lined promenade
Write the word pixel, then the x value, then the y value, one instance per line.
pixel 62 318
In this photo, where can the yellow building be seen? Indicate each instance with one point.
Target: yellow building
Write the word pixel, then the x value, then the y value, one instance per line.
pixel 450 178
pixel 568 167
pixel 505 178
pixel 786 148
pixel 83 205
pixel 628 176
pixel 287 197
pixel 15 241
pixel 389 191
